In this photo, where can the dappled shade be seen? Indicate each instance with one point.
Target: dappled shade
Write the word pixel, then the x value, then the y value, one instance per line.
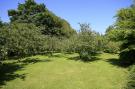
pixel 77 58
pixel 116 62
pixel 7 72
pixel 34 60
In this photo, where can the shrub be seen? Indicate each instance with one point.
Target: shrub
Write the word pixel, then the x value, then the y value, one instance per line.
pixel 112 47
pixel 88 42
pixel 127 56
pixel 131 80
pixel 71 44
pixel 85 56
pixel 19 40
pixel 3 53
pixel 53 44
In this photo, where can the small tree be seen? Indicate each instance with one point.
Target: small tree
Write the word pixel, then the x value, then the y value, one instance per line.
pixel 88 44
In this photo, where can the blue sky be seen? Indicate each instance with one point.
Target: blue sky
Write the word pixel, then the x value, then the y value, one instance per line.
pixel 99 13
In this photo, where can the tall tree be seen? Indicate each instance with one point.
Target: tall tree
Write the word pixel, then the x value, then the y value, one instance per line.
pixel 50 24
pixel 124 31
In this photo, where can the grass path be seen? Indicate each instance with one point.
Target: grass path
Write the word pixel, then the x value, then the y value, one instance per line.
pixel 65 72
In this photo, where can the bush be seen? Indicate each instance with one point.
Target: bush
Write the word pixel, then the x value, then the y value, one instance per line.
pixel 85 56
pixel 53 44
pixel 3 53
pixel 127 56
pixel 19 40
pixel 131 80
pixel 88 41
pixel 112 47
pixel 71 44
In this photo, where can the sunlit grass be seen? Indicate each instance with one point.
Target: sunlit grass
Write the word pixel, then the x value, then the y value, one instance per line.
pixel 63 72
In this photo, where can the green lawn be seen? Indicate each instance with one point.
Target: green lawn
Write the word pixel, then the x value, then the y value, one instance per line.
pixel 65 71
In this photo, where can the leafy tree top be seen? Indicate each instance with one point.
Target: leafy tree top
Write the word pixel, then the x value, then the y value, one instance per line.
pixel 38 14
pixel 26 10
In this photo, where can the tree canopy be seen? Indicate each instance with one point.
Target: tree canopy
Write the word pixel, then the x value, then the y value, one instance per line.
pixel 124 32
pixel 38 14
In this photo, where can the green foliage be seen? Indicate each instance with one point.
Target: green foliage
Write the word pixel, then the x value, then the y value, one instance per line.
pixel 53 44
pixel 124 32
pixel 131 80
pixel 129 40
pixel 110 28
pixel 26 11
pixel 19 40
pixel 126 18
pixel 112 47
pixel 109 41
pixel 38 14
pixel 69 45
pixel 87 39
pixel 3 53
pixel 23 36
pixel 126 38
pixel 127 56
pixel 85 56
pixel 89 42
pixel 53 25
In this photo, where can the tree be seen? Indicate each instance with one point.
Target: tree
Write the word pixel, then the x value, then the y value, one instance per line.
pixel 20 40
pixel 38 14
pixel 126 18
pixel 124 32
pixel 52 44
pixel 109 29
pixel 88 42
pixel 111 38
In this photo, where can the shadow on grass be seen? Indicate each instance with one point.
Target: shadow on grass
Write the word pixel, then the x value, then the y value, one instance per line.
pixel 116 62
pixel 7 72
pixel 77 58
pixel 57 55
pixel 34 60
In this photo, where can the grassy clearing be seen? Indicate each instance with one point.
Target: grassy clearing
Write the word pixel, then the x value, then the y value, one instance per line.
pixel 64 71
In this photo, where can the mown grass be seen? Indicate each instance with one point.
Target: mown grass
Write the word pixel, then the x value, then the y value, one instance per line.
pixel 66 71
